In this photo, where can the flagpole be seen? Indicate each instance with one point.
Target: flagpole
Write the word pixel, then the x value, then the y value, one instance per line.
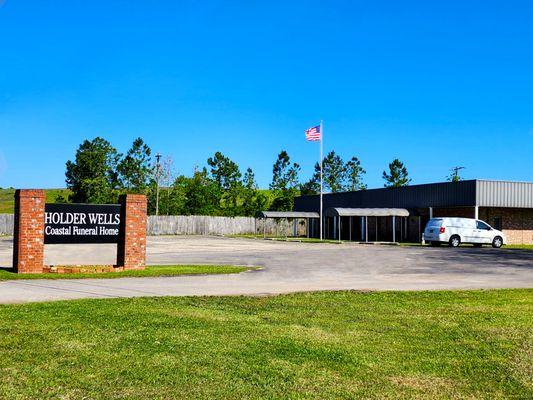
pixel 321 185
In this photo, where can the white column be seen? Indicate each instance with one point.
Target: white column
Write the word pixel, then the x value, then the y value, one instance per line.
pixel 430 212
pixel 366 229
pixel 476 212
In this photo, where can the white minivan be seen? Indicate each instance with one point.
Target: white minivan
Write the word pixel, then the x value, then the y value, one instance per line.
pixel 455 231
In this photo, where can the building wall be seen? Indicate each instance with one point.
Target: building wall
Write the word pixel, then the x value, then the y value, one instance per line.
pixel 464 212
pixel 379 229
pixel 516 223
pixel 510 203
pixel 504 194
pixel 415 228
pixel 450 194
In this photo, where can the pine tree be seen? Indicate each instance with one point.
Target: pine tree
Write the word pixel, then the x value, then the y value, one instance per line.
pixel 284 182
pixel 135 169
pixel 397 175
pixel 227 176
pixel 338 176
pixel 354 175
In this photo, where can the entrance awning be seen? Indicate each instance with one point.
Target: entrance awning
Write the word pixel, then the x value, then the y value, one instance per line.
pixel 287 214
pixel 366 212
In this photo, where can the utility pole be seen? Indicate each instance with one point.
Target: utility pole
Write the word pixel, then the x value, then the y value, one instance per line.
pixel 455 173
pixel 157 175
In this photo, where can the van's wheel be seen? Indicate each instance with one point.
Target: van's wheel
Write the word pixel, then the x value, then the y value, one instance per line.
pixel 497 242
pixel 455 241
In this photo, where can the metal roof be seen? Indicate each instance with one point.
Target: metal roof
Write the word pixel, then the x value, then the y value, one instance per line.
pixel 366 212
pixel 469 193
pixel 287 214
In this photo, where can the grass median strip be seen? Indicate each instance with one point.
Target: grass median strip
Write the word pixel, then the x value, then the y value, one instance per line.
pixel 470 245
pixel 519 246
pixel 453 344
pixel 285 239
pixel 150 271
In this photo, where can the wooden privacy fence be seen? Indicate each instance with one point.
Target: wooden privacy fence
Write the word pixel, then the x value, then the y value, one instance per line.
pixel 199 225
pixel 209 225
pixel 196 225
pixel 7 223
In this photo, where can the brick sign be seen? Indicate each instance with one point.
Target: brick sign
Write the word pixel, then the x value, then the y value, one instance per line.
pixel 37 224
pixel 81 223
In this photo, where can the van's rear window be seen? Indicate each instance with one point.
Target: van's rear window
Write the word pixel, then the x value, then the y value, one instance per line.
pixel 435 222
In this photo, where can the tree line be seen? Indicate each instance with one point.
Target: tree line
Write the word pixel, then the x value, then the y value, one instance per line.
pixel 99 174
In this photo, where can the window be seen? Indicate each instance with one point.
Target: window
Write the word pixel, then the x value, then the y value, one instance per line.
pixel 497 223
pixel 482 225
pixel 435 222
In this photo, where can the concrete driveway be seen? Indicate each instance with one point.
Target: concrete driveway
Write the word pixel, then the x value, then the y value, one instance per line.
pixel 287 267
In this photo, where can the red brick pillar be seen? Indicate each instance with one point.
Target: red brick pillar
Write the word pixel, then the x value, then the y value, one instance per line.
pixel 28 246
pixel 131 252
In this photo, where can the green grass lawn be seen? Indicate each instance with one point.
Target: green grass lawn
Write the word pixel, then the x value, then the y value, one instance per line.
pixel 507 246
pixel 380 345
pixel 285 238
pixel 152 270
pixel 7 201
pixel 315 240
pixel 519 246
pixel 7 198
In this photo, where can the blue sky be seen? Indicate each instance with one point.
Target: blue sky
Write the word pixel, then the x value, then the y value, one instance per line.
pixel 436 84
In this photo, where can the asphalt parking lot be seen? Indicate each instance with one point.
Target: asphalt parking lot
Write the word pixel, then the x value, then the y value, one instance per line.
pixel 287 267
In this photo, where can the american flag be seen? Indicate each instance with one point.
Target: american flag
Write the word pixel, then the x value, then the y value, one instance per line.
pixel 313 134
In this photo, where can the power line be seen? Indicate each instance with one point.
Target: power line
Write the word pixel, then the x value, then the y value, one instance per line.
pixel 455 171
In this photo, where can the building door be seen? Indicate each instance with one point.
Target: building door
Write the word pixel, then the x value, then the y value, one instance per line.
pixel 497 223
